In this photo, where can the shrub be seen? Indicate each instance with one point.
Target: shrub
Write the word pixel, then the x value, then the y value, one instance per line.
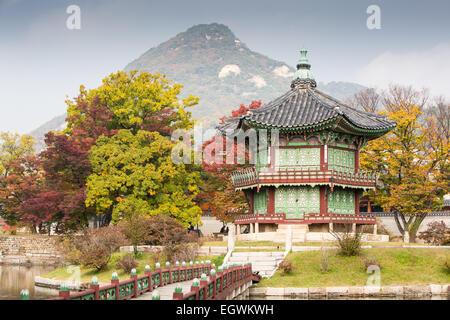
pixel 181 252
pixel 96 246
pixel 436 234
pixel 126 263
pixel 286 267
pixel 348 242
pixel 137 230
pixel 371 262
pixel 164 230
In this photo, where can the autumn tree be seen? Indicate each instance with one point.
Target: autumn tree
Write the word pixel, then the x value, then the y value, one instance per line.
pixel 413 164
pixel 217 193
pixel 136 170
pixel 12 147
pixel 135 101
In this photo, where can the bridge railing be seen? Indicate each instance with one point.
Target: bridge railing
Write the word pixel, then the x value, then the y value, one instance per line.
pixel 137 285
pixel 218 285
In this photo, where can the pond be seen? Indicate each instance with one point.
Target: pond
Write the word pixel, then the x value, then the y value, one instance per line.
pixel 15 278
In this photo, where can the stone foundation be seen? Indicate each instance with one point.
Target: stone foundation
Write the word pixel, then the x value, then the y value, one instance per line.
pixel 32 250
pixel 309 237
pixel 333 292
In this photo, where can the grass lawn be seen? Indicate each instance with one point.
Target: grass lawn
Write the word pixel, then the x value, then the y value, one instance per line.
pixel 399 266
pixel 104 276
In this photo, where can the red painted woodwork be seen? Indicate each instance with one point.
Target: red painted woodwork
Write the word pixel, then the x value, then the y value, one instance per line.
pixel 323 200
pixel 356 160
pixel 271 201
pixel 309 218
pixel 357 202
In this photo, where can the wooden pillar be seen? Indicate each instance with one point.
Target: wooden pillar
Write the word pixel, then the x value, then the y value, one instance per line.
pixel 323 200
pixel 330 227
pixel 271 201
pixel 251 228
pixel 354 227
pixel 357 202
pixel 256 227
pixel 369 206
pixel 324 157
pixel 375 227
pixel 356 160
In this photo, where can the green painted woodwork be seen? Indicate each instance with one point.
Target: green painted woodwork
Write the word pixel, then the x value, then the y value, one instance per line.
pixel 126 290
pixel 297 158
pixel 260 201
pixel 342 160
pixel 296 201
pixel 341 201
pixel 108 294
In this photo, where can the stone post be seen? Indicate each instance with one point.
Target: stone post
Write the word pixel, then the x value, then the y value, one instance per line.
pixel 256 227
pixel 289 238
pixel 330 227
pixel 375 229
pixel 353 227
pixel 238 229
pixel 231 237
pixel 252 230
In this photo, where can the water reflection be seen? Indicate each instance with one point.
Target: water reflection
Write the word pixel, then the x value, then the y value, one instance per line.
pixel 15 278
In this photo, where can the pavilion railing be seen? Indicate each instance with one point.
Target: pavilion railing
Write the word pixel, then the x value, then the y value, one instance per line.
pixel 250 176
pixel 137 285
pixel 278 218
pixel 218 285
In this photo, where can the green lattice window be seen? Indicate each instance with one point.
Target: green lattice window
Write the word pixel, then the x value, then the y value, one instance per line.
pixel 299 158
pixel 296 201
pixel 341 201
pixel 260 201
pixel 342 160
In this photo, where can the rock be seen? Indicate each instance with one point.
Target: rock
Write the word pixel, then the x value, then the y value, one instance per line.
pixel 416 291
pixel 258 291
pixel 275 291
pixel 436 289
pixel 391 291
pixel 317 291
pixel 355 291
pixel 296 292
pixel 337 291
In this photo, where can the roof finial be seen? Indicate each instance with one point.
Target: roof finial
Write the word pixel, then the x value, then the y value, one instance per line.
pixel 303 77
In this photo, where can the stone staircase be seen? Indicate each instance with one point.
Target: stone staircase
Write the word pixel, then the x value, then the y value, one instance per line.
pixel 263 262
pixel 299 232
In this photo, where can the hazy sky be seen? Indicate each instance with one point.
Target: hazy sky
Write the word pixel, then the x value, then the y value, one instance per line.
pixel 42 61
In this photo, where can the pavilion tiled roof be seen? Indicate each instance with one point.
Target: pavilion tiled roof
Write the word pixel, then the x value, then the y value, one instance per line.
pixel 304 106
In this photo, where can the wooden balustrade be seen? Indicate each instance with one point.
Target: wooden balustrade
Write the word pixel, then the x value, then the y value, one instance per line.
pixel 219 285
pixel 367 218
pixel 136 285
pixel 250 177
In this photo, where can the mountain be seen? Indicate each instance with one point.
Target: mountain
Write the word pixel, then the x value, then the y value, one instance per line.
pixel 213 64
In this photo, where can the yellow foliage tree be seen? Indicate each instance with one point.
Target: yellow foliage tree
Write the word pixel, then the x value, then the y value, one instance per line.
pixel 413 164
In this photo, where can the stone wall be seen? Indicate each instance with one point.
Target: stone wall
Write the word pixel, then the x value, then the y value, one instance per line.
pixel 30 250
